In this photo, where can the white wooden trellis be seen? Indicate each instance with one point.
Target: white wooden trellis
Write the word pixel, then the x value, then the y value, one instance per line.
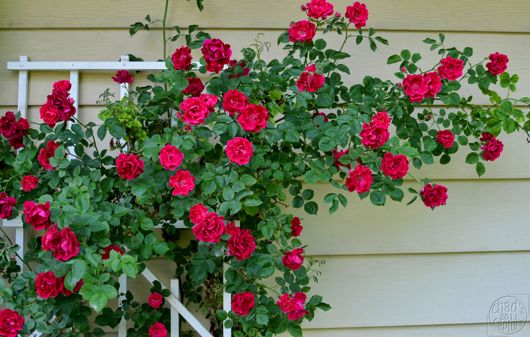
pixel 23 66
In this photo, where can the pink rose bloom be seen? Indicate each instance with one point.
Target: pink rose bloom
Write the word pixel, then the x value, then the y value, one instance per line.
pixel 498 63
pixel 170 157
pixel 123 76
pixel 296 227
pixel 253 118
pixel 29 183
pixel 319 9
pixel 129 166
pixel 183 182
pixel 10 323
pixel 309 80
pixel 293 259
pixel 434 84
pixel 294 307
pixel 239 150
pixel 157 330
pixel 210 228
pixel 359 179
pixel 234 101
pixel 242 303
pixel 198 213
pixel 194 111
pixel 492 148
pixel 302 31
pixel 451 68
pixel 445 138
pixel 241 244
pixel 194 88
pixel 181 58
pixel 216 54
pixel 37 215
pixel 395 167
pixel 434 195
pixel 6 205
pixel 357 14
pixel 415 87
pixel 155 300
pixel 47 285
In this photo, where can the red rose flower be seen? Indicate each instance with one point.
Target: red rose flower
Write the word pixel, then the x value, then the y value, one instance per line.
pixel 106 251
pixel 216 54
pixel 242 303
pixel 29 183
pixel 234 101
pixel 63 244
pixel 62 85
pixel 123 76
pixel 373 136
pixel 170 157
pixel 253 118
pixel 415 87
pixel 13 130
pixel 68 246
pixel 6 205
pixel 451 68
pixel 357 14
pixel 498 63
pixel 381 119
pixel 293 259
pixel 209 100
pixel 294 307
pixel 434 195
pixel 182 182
pixel 155 300
pixel 46 153
pixel 47 285
pixel 433 82
pixel 157 330
pixel 59 106
pixel 210 228
pixel 194 111
pixel 395 167
pixel 181 58
pixel 445 138
pixel 302 31
pixel 359 179
pixel 194 88
pixel 241 243
pixel 309 80
pixel 296 227
pixel 492 148
pixel 239 150
pixel 37 215
pixel 129 166
pixel 10 323
pixel 76 289
pixel 337 154
pixel 319 9
pixel 198 213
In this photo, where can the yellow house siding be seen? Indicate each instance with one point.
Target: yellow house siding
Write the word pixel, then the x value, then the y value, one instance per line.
pixel 396 271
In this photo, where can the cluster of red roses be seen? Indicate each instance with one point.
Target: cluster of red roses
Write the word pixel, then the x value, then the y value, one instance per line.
pixel 13 130
pixel 10 323
pixel 305 30
pixel 420 86
pixel 310 80
pixel 59 106
pixel 46 153
pixel 157 329
pixel 47 285
pixel 242 245
pixel 216 54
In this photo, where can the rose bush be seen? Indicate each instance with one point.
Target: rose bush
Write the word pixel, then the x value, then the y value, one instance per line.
pixel 237 148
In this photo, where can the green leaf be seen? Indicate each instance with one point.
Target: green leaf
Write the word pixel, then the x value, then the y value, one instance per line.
pixel 377 198
pixel 262 315
pixel 481 169
pixel 308 194
pixel 472 158
pixel 295 330
pixel 77 273
pixel 393 59
pixel 252 202
pixel 247 180
pixel 311 207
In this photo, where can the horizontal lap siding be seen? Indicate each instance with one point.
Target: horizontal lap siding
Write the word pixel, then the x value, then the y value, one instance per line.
pixel 460 15
pixel 398 271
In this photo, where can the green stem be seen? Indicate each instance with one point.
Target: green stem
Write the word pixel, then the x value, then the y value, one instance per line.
pixel 164 20
pixel 11 243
